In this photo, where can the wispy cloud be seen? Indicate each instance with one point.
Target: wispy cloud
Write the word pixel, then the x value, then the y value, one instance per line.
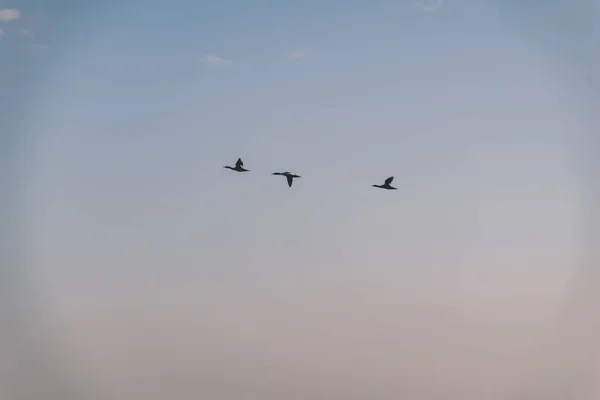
pixel 300 53
pixel 9 14
pixel 1 33
pixel 430 5
pixel 213 60
pixel 30 36
pixel 37 46
pixel 27 33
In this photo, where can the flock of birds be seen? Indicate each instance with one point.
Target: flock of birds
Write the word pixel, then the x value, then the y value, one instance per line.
pixel 239 167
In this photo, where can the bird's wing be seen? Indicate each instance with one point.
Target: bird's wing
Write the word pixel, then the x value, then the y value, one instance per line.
pixel 389 180
pixel 239 163
pixel 290 179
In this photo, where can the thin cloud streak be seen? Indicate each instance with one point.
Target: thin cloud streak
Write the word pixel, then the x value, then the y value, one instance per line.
pixel 430 5
pixel 27 33
pixel 9 14
pixel 213 60
pixel 30 36
pixel 300 53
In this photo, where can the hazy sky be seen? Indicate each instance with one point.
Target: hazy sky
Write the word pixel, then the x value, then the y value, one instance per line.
pixel 161 274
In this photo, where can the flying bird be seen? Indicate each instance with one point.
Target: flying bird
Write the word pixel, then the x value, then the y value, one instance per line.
pixel 386 184
pixel 239 166
pixel 290 177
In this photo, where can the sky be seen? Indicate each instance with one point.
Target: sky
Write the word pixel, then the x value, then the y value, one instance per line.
pixel 145 270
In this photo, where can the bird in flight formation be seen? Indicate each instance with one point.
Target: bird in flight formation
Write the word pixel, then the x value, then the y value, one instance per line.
pixel 290 177
pixel 386 184
pixel 239 167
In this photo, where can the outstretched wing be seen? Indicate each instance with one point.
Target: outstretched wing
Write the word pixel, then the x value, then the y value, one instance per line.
pixel 290 179
pixel 389 180
pixel 239 163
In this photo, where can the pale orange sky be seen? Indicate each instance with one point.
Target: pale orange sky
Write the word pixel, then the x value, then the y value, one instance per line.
pixel 150 272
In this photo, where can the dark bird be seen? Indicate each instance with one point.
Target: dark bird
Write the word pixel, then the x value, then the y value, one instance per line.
pixel 239 166
pixel 290 177
pixel 386 184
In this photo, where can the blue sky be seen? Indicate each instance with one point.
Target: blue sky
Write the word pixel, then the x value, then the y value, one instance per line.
pixel 479 109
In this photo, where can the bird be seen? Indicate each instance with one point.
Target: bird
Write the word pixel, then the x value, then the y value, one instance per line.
pixel 290 177
pixel 239 166
pixel 386 184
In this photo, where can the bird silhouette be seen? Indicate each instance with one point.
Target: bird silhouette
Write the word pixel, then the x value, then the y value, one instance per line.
pixel 239 166
pixel 290 177
pixel 386 184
